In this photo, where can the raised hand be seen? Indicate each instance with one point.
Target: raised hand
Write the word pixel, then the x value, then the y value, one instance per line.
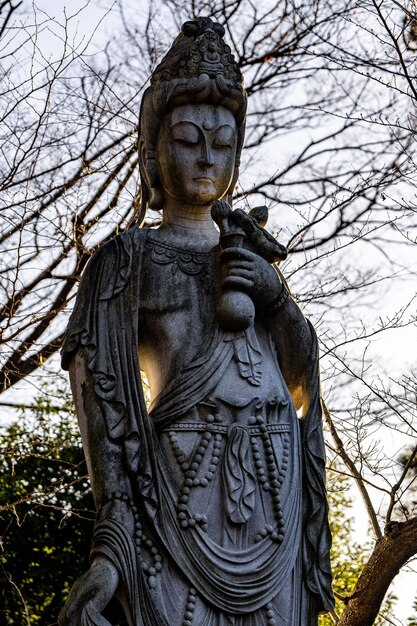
pixel 247 271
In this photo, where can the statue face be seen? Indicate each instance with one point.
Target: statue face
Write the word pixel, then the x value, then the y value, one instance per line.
pixel 196 153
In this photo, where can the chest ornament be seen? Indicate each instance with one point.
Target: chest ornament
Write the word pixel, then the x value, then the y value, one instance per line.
pixel 188 261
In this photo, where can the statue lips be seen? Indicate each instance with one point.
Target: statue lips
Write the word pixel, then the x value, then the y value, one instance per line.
pixel 203 179
pixel 204 183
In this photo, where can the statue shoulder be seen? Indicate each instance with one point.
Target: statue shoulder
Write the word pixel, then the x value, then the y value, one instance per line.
pixel 114 249
pixel 111 265
pixel 105 277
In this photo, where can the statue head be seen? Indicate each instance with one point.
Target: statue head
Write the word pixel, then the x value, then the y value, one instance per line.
pixel 197 83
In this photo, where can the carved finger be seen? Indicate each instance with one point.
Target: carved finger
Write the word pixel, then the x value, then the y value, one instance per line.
pixel 93 617
pixel 239 272
pixel 229 254
pixel 237 282
pixel 239 264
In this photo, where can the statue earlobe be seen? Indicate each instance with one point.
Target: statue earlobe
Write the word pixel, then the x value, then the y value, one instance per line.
pixel 231 189
pixel 150 177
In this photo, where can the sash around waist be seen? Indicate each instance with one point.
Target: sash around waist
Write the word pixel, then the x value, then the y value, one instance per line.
pixel 224 429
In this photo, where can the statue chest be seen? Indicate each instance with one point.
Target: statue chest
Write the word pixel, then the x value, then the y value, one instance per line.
pixel 176 281
pixel 176 309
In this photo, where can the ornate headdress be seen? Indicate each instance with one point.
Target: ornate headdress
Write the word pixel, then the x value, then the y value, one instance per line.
pixel 199 67
pixel 198 49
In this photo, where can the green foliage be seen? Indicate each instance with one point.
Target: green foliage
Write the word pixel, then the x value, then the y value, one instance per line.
pixel 348 557
pixel 412 621
pixel 46 511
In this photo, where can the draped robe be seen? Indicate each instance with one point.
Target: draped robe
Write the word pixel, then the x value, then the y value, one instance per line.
pixel 247 562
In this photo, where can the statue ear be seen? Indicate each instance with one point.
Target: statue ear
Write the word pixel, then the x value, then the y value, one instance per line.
pixel 150 177
pixel 229 193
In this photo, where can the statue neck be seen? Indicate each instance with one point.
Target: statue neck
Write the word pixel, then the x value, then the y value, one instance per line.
pixel 189 219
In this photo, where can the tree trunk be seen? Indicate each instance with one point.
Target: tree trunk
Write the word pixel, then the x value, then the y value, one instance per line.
pixel 396 547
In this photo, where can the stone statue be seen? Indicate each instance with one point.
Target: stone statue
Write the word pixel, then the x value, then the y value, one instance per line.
pixel 211 504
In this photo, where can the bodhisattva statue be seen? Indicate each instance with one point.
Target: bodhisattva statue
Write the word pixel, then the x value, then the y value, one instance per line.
pixel 211 504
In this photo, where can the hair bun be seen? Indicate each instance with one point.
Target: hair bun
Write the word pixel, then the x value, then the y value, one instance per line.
pixel 190 29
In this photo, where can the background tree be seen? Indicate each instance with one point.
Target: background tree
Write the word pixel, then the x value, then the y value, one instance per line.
pixel 46 512
pixel 330 149
pixel 348 557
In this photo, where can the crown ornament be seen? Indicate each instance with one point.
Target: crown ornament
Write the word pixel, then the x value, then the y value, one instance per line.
pixel 198 49
pixel 198 68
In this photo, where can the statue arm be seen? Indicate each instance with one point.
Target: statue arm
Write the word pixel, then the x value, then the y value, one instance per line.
pixel 246 270
pixel 99 362
pixel 94 589
pixel 293 339
pixel 104 455
pixel 90 353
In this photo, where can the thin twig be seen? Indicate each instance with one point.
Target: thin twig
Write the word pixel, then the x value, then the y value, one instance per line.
pixel 398 483
pixel 355 474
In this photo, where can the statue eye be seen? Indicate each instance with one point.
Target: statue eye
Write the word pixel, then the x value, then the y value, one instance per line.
pixel 224 137
pixel 185 133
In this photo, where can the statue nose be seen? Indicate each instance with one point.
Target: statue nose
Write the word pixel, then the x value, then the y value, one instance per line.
pixel 206 157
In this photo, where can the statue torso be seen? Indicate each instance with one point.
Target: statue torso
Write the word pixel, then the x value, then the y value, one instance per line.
pixel 228 448
pixel 176 308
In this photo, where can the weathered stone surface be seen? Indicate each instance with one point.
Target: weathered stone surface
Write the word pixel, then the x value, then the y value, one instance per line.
pixel 211 505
